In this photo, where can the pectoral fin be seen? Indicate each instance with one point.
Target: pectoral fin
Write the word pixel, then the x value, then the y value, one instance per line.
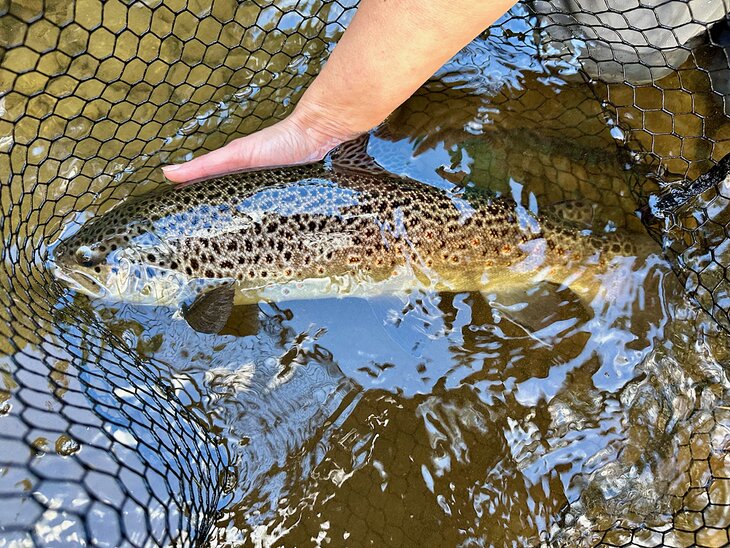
pixel 243 321
pixel 210 310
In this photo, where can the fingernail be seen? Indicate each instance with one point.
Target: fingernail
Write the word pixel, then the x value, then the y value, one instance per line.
pixel 173 167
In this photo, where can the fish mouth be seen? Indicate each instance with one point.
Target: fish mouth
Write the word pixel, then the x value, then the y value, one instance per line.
pixel 129 284
pixel 81 281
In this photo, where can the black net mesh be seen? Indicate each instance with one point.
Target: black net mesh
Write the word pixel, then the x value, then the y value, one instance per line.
pixel 101 444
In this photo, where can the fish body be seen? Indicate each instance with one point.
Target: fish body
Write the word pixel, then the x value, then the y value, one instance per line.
pixel 311 231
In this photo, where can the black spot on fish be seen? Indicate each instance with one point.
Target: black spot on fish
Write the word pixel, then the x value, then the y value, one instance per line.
pixel 194 263
pixel 209 273
pixel 151 257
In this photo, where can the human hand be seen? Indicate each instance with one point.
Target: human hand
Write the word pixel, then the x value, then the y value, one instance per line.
pixel 388 50
pixel 300 138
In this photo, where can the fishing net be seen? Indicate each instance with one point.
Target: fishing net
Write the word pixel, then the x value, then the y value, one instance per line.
pixel 99 444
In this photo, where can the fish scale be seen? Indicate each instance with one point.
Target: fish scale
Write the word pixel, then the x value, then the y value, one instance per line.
pixel 339 230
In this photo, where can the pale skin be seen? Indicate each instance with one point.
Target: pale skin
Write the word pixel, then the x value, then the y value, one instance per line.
pixel 390 48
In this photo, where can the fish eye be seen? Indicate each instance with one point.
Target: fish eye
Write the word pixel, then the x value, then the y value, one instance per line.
pixel 85 256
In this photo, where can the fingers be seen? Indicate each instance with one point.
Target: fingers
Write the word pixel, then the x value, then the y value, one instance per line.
pixel 243 153
pixel 278 145
pixel 214 163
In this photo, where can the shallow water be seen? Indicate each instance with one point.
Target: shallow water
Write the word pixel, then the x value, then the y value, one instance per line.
pixel 441 419
pixel 472 419
pixel 451 418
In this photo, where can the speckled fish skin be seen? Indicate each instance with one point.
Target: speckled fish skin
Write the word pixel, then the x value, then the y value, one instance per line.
pixel 283 226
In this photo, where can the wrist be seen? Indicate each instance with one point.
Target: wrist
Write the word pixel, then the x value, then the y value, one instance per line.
pixel 325 125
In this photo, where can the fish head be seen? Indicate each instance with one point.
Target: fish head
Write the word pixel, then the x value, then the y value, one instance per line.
pixel 120 257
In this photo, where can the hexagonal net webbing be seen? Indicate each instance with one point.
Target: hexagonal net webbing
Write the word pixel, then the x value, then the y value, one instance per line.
pixel 100 445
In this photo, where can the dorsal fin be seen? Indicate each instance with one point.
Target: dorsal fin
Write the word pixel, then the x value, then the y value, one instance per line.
pixel 353 156
pixel 578 212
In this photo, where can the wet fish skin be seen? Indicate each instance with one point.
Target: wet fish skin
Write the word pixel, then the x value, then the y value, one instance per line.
pixel 337 230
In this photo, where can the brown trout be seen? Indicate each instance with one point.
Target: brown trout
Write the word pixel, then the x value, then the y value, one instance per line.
pixel 316 231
